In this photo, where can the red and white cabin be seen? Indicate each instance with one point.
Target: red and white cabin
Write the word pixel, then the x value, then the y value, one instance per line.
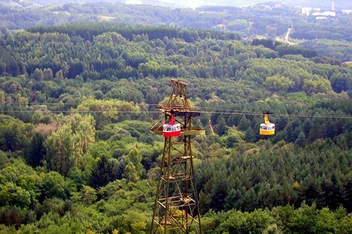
pixel 172 129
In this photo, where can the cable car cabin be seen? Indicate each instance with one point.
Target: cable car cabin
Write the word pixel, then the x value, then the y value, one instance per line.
pixel 267 128
pixel 172 129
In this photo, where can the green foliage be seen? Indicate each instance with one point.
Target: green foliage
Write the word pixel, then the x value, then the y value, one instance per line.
pixel 133 128
pixel 329 47
pixel 20 184
pixel 282 219
pixel 237 222
pixel 68 146
pixel 276 83
pixel 3 158
pixel 59 150
pixel 134 222
pixel 134 168
pixel 221 126
pixel 87 196
pixel 249 135
pixel 104 172
pixel 319 86
pixel 346 225
pixel 15 195
pixel 55 185
pixel 106 111
pixel 14 134
pixel 36 151
pixel 97 164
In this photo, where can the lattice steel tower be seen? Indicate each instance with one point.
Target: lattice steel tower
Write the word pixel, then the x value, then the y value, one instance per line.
pixel 176 204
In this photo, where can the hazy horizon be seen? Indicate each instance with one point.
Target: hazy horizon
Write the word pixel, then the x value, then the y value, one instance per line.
pixel 326 4
pixel 323 4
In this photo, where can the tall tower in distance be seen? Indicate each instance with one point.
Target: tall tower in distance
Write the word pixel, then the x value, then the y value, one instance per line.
pixel 176 207
pixel 333 6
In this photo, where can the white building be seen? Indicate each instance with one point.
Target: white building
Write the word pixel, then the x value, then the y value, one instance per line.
pixel 324 14
pixel 306 10
pixel 321 18
pixel 346 11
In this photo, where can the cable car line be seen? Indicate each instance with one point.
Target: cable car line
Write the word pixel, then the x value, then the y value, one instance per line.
pixel 200 110
pixel 278 114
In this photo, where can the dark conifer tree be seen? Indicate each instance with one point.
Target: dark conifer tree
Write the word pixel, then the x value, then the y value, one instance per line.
pixel 36 151
pixel 250 135
pixel 101 173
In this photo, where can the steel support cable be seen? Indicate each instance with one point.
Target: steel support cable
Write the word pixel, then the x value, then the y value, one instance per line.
pixel 202 111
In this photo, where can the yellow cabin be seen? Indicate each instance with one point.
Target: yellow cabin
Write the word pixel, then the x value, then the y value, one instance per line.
pixel 267 128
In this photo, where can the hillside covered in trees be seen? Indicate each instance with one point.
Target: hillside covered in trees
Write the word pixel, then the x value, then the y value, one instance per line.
pixel 329 36
pixel 77 101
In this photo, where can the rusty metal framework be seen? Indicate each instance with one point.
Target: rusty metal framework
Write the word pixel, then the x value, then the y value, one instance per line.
pixel 176 207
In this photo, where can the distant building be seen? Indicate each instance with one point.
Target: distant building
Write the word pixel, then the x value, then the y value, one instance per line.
pixel 321 18
pixel 306 10
pixel 134 2
pixel 346 12
pixel 324 14
pixel 309 10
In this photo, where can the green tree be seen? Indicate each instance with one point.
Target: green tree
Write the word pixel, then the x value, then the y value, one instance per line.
pixel 48 74
pixel 14 134
pixel 221 126
pixel 68 146
pixel 87 195
pixel 101 173
pixel 3 158
pixel 36 151
pixel 83 133
pixel 243 124
pixel 136 222
pixel 59 75
pixel 2 98
pixel 326 222
pixel 55 185
pixel 106 111
pixel 277 83
pixel 11 194
pixel 59 149
pixel 38 75
pixel 134 168
pixel 130 172
pixel 345 226
pixel 249 135
pixel 301 139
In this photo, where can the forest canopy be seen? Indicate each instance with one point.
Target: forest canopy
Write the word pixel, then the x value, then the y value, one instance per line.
pixel 76 152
